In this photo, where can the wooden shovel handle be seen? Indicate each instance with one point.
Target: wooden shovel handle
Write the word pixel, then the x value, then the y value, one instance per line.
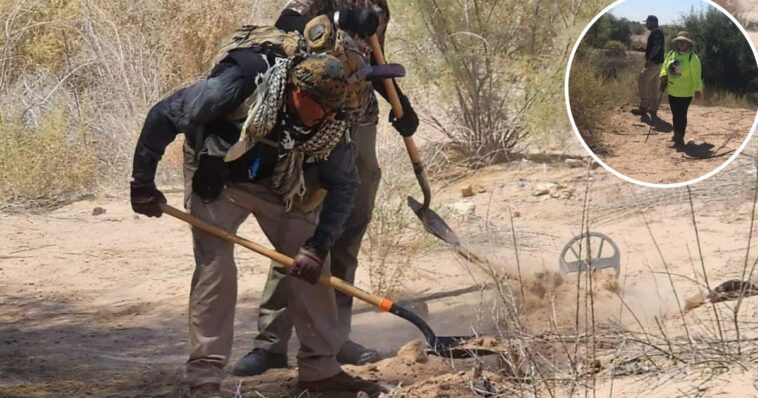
pixel 397 107
pixel 381 303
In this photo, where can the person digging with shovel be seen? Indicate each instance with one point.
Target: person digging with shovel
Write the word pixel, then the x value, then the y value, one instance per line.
pixel 681 75
pixel 360 20
pixel 284 112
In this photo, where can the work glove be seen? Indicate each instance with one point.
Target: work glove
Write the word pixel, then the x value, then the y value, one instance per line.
pixel 209 178
pixel 408 124
pixel 308 265
pixel 664 83
pixel 364 22
pixel 146 198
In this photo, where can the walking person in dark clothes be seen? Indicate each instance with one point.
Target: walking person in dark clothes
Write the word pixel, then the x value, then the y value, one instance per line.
pixel 648 78
pixel 682 76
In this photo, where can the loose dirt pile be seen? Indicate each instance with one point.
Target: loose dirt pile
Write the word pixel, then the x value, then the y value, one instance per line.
pixel 710 131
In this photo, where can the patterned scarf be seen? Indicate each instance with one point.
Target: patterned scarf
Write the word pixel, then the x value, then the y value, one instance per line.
pixel 270 97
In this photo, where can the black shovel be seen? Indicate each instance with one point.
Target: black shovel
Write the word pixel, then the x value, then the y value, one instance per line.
pixel 433 223
pixel 443 346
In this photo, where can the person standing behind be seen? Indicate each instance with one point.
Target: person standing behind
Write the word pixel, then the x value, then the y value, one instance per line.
pixel 682 75
pixel 361 19
pixel 648 78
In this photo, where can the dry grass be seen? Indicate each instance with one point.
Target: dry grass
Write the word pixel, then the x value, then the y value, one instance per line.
pixel 105 63
pixel 594 353
pixel 599 82
pixel 395 239
pixel 44 160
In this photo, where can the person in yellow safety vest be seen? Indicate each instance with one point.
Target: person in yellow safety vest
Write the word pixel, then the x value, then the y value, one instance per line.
pixel 682 76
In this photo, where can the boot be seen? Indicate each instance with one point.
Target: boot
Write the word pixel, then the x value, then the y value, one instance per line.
pixel 679 143
pixel 208 390
pixel 353 353
pixel 342 382
pixel 639 111
pixel 258 361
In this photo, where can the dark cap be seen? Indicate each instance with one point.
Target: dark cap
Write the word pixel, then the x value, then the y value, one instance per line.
pixel 651 18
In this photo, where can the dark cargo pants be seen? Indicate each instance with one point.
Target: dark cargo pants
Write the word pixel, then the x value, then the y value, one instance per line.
pixel 274 320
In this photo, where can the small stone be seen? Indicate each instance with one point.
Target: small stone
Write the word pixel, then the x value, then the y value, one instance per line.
pixel 479 189
pixel 98 211
pixel 540 192
pixel 464 207
pixel 468 191
pixel 574 163
pixel 362 394
pixel 414 352
pixel 516 214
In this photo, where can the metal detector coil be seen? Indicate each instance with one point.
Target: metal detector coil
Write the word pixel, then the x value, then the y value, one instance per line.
pixel 580 261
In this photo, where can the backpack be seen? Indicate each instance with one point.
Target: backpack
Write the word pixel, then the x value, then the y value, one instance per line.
pixel 277 42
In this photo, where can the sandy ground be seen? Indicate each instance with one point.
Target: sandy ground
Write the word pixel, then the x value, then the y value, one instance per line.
pixel 96 305
pixel 714 132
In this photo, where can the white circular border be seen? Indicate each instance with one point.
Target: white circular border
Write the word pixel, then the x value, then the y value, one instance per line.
pixel 613 171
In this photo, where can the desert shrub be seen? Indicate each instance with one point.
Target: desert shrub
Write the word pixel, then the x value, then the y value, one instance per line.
pixel 588 107
pixel 607 28
pixel 490 63
pixel 597 86
pixel 107 62
pixel 615 48
pixel 46 159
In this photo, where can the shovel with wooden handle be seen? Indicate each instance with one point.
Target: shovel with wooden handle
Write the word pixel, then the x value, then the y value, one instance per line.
pixel 445 346
pixel 433 223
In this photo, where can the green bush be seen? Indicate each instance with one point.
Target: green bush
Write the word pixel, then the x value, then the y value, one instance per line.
pixel 608 28
pixel 727 58
pixel 615 48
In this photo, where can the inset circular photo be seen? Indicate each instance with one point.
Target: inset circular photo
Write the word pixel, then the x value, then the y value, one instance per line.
pixel 663 93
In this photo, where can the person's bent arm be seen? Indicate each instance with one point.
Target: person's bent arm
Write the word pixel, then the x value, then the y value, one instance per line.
pixel 339 176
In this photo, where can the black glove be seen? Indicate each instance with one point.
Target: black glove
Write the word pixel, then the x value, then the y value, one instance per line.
pixel 308 265
pixel 664 83
pixel 408 124
pixel 209 178
pixel 146 198
pixel 362 21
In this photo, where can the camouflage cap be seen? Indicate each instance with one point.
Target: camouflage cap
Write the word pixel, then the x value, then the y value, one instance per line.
pixel 322 77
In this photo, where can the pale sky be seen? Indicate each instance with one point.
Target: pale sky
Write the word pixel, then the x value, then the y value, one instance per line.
pixel 667 11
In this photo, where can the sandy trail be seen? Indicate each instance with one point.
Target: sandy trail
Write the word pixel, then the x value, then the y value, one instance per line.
pixel 97 304
pixel 711 131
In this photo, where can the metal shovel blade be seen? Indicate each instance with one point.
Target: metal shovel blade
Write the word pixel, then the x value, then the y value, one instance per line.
pixel 442 346
pixel 433 223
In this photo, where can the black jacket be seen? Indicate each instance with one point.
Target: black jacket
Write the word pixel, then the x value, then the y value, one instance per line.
pixel 655 46
pixel 200 111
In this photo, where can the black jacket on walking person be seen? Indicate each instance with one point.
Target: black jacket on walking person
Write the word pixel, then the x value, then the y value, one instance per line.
pixel 201 111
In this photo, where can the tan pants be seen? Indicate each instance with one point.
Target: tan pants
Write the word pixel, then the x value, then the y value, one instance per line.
pixel 213 295
pixel 649 85
pixel 274 323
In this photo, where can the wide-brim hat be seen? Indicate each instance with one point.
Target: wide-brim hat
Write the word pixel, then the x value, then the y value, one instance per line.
pixel 682 36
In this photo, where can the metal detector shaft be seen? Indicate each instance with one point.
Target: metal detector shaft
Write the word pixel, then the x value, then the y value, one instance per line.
pixel 444 346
